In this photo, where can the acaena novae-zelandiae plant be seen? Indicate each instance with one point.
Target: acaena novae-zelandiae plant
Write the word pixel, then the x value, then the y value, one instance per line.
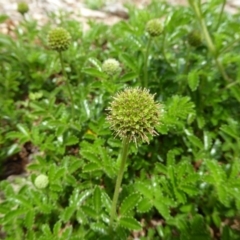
pixel 133 116
pixel 59 40
pixel 154 28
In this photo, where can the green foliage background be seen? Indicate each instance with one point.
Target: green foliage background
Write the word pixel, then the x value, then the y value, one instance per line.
pixel 184 185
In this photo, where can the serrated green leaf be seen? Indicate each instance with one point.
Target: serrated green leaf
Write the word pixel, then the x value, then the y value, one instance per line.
pixel 89 211
pixel 23 201
pixel 130 223
pixel 144 205
pixel 13 214
pixel 127 60
pixel 70 179
pixel 99 227
pixel 23 129
pixel 51 172
pixel 160 168
pixel 179 107
pixel 56 187
pixel 190 190
pixel 144 189
pixel 37 199
pixel 235 169
pixel 199 229
pixel 230 131
pixel 207 140
pixel 97 201
pixel 129 203
pixel 75 165
pixel 90 167
pixel 34 166
pixel 90 156
pixel 29 218
pixel 46 231
pixel 182 169
pixel 193 80
pixel 14 135
pixel 216 171
pixel 171 158
pixel 95 73
pixel 57 228
pixel 191 178
pixel 59 173
pixel 162 208
pixel 195 141
pixel 106 201
pixel 67 213
pixel 95 62
pixel 81 217
pixel 223 195
pixel 107 162
pixel 71 140
pixel 66 233
pixel 128 77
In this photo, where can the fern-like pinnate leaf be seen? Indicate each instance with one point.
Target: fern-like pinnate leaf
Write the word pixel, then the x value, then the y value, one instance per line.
pixel 193 80
pixel 129 203
pixel 97 199
pixel 129 223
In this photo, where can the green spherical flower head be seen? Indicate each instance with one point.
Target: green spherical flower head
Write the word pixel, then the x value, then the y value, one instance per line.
pixel 111 67
pixel 134 114
pixel 22 7
pixel 194 38
pixel 41 181
pixel 59 39
pixel 154 27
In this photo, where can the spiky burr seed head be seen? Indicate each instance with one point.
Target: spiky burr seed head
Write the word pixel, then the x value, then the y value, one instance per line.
pixel 59 39
pixel 134 114
pixel 41 181
pixel 194 38
pixel 22 7
pixel 154 27
pixel 111 67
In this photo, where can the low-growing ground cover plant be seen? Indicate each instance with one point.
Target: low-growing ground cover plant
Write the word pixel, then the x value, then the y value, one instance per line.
pixel 132 130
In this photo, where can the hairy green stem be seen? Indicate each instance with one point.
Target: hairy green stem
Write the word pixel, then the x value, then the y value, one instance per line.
pixel 230 45
pixel 145 76
pixel 208 38
pixel 67 83
pixel 164 53
pixel 124 153
pixel 232 84
pixel 220 15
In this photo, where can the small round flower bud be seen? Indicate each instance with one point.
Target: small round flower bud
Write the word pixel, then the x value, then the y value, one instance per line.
pixel 154 27
pixel 111 67
pixel 194 38
pixel 22 7
pixel 59 39
pixel 41 181
pixel 134 114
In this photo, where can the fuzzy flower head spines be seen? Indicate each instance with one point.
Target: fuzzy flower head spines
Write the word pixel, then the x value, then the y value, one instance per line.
pixel 59 39
pixel 134 114
pixel 111 67
pixel 154 27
